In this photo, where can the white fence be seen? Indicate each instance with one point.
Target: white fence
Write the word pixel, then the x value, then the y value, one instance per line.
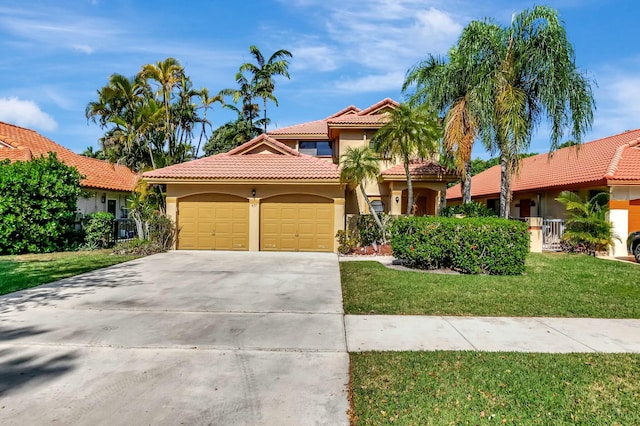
pixel 552 230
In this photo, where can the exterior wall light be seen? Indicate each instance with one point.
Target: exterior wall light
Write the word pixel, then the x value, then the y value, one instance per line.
pixel 103 199
pixel 397 199
pixel 253 192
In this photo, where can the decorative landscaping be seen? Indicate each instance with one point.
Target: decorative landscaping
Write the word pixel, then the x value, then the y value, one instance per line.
pixel 555 285
pixel 25 271
pixel 424 388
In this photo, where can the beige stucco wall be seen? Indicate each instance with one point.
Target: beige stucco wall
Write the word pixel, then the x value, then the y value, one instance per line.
pixel 263 191
pixel 93 202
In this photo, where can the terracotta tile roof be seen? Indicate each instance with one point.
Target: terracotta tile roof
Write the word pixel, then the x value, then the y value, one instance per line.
pixel 417 168
pixel 241 163
pixel 350 115
pixel 385 103
pixel 611 158
pixel 20 144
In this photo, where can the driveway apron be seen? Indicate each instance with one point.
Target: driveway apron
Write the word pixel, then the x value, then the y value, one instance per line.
pixel 179 338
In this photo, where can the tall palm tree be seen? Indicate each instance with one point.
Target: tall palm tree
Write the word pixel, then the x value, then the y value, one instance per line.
pixel 527 73
pixel 448 87
pixel 358 165
pixel 263 72
pixel 167 75
pixel 245 93
pixel 411 133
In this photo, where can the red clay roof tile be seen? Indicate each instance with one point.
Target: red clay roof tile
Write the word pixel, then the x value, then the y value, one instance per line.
pixel 615 157
pixel 26 144
pixel 417 168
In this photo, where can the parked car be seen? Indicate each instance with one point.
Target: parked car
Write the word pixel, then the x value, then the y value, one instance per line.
pixel 633 245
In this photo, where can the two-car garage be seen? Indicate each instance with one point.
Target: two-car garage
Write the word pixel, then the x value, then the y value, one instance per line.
pixel 290 222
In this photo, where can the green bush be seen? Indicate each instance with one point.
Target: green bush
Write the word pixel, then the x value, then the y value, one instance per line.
pixel 137 247
pixel 471 209
pixel 471 245
pixel 346 241
pixel 369 231
pixel 98 230
pixel 162 230
pixel 38 200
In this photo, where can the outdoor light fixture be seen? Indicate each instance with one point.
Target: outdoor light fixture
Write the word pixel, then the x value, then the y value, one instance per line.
pixel 397 199
pixel 253 192
pixel 103 199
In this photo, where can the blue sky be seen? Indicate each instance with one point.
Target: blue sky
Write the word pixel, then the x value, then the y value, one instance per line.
pixel 57 54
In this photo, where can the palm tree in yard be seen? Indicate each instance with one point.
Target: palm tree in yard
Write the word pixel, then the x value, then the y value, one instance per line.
pixel 448 87
pixel 525 73
pixel 410 133
pixel 263 72
pixel 359 165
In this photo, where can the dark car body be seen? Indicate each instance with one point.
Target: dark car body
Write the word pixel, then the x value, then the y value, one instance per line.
pixel 633 245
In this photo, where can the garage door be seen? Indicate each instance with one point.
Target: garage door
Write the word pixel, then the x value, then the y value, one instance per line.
pixel 213 222
pixel 634 215
pixel 296 223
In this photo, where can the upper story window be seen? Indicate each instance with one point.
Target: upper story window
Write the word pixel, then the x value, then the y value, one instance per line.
pixel 316 148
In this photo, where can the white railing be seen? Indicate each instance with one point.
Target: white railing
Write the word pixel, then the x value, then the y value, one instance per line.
pixel 552 230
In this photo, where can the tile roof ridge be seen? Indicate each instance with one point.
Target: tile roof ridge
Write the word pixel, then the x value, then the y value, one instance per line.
pixel 378 105
pixel 264 137
pixel 280 129
pixel 17 127
pixel 343 111
pixel 617 156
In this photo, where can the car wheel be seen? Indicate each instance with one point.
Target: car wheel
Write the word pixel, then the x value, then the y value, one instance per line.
pixel 636 252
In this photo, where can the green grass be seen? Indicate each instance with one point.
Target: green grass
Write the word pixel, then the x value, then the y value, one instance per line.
pixel 556 285
pixel 476 388
pixel 25 271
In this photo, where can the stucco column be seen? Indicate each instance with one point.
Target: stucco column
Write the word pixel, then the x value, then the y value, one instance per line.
pixel 338 219
pixel 619 218
pixel 172 212
pixel 395 208
pixel 254 224
pixel 535 234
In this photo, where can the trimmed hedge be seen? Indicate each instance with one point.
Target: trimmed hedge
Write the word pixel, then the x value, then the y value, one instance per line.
pixel 471 245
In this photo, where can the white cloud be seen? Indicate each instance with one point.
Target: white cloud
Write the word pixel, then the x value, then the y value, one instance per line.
pixel 317 57
pixel 25 113
pixel 391 81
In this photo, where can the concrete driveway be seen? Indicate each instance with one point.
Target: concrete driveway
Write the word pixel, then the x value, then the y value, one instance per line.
pixel 179 338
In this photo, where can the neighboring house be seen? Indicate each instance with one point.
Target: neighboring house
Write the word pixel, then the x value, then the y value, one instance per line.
pixel 281 191
pixel 106 185
pixel 610 165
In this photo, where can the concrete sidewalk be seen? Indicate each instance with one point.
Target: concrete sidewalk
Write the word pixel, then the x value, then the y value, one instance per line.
pixel 494 334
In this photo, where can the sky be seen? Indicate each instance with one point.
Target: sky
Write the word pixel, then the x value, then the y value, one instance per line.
pixel 56 55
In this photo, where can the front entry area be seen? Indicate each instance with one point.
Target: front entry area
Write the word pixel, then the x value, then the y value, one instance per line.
pixel 213 222
pixel 297 223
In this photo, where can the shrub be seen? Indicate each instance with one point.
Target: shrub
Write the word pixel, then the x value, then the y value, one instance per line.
pixel 369 231
pixel 162 230
pixel 346 241
pixel 471 209
pixel 38 200
pixel 98 230
pixel 471 245
pixel 137 247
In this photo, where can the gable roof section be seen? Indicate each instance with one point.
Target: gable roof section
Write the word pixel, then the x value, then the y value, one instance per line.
pixel 20 144
pixel 378 107
pixel 245 163
pixel 418 169
pixel 608 159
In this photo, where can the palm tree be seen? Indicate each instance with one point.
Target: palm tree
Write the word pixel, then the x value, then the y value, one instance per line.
pixel 358 165
pixel 587 224
pixel 411 133
pixel 448 87
pixel 245 92
pixel 263 72
pixel 167 75
pixel 525 72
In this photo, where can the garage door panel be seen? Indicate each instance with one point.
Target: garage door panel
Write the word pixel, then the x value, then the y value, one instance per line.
pixel 207 224
pixel 296 223
pixel 634 215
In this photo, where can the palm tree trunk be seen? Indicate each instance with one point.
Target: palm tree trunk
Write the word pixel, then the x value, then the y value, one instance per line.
pixel 505 186
pixel 410 201
pixel 264 100
pixel 373 213
pixel 465 183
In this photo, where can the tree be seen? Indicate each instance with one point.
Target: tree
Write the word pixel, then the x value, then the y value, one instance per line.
pixel 230 134
pixel 358 165
pixel 410 133
pixel 587 228
pixel 89 152
pixel 526 73
pixel 263 73
pixel 450 88
pixel 38 201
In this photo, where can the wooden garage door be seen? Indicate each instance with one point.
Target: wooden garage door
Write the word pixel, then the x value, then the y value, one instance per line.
pixel 634 215
pixel 213 222
pixel 296 223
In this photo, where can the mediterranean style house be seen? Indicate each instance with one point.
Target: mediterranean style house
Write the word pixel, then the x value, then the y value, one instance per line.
pixel 282 192
pixel 106 185
pixel 610 164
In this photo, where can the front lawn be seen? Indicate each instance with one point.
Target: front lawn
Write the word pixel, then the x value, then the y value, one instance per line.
pixel 442 388
pixel 30 270
pixel 554 285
